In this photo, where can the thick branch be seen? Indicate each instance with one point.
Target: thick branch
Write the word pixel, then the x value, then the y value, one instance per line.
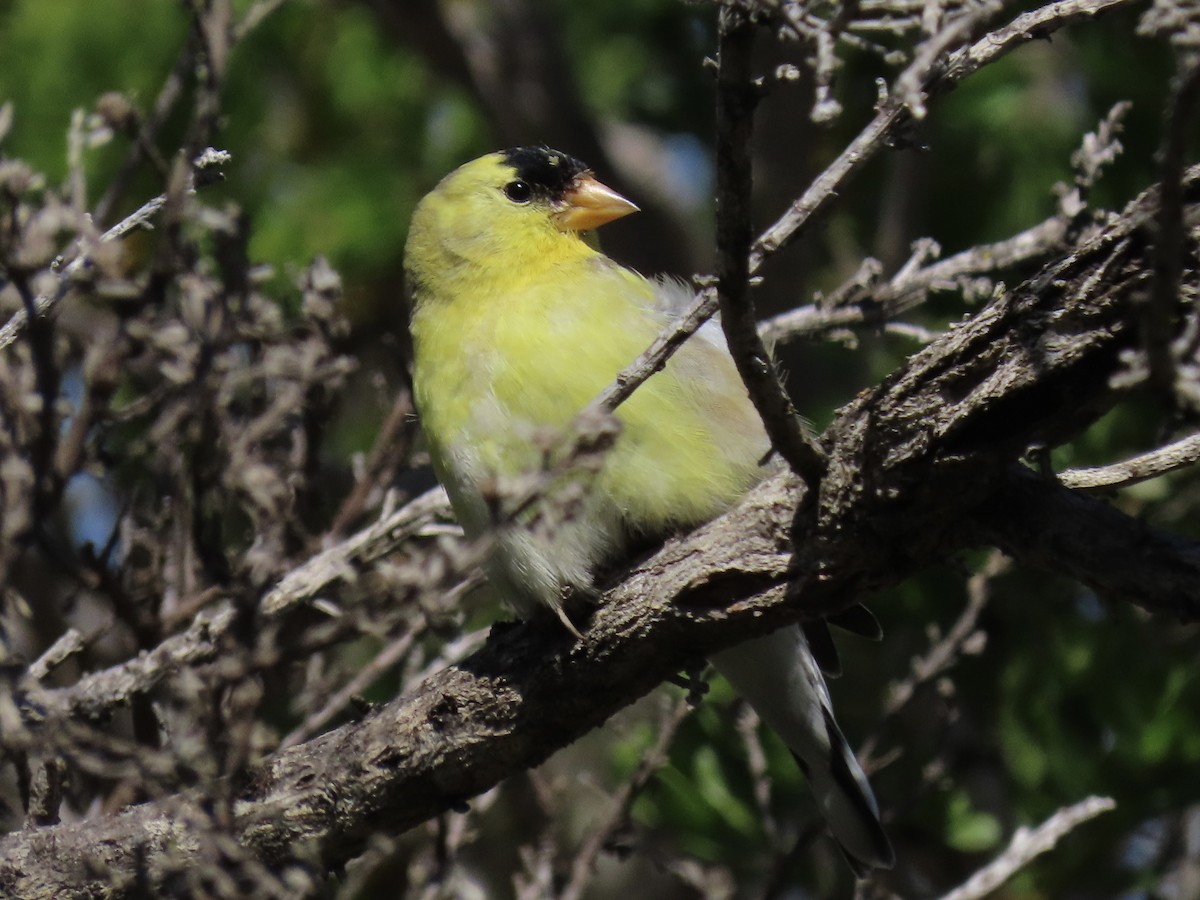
pixel 1049 527
pixel 937 438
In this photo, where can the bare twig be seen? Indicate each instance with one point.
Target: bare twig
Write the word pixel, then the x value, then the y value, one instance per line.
pixel 146 133
pixel 736 97
pixel 658 353
pixel 910 87
pixel 894 114
pixel 1161 310
pixel 918 333
pixel 622 804
pixel 863 303
pixel 371 543
pixel 1031 245
pixel 946 650
pixel 395 650
pixel 69 643
pixel 140 218
pixel 748 724
pixel 385 455
pixel 1178 455
pixel 963 638
pixel 1027 844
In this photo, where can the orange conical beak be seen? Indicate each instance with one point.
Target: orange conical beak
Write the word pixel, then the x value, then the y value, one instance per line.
pixel 590 204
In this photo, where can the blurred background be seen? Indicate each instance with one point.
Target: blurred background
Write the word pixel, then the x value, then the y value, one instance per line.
pixel 340 115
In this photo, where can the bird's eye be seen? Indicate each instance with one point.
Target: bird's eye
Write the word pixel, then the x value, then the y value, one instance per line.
pixel 518 191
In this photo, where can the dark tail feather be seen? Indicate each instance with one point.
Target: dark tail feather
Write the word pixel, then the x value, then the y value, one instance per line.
pixel 857 619
pixel 780 678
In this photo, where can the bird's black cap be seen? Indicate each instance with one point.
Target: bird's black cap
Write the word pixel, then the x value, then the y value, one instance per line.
pixel 548 172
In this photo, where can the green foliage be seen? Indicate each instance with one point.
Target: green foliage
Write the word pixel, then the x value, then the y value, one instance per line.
pixel 62 56
pixel 318 120
pixel 967 829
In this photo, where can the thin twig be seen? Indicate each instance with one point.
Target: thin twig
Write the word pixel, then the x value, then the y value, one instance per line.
pixel 1026 844
pixel 870 305
pixel 957 641
pixel 366 676
pixel 893 114
pixel 964 637
pixel 1160 313
pixel 147 133
pixel 655 357
pixel 618 817
pixel 141 217
pixel 305 582
pixel 385 455
pixel 912 331
pixel 737 95
pixel 910 87
pixel 69 643
pixel 1180 454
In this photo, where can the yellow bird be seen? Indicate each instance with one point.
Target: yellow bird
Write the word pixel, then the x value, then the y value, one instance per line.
pixel 518 322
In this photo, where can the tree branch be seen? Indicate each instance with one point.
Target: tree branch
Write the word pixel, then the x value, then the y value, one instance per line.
pixel 1084 538
pixel 1027 844
pixel 139 218
pixel 893 114
pixel 1176 455
pixel 737 95
pixel 97 693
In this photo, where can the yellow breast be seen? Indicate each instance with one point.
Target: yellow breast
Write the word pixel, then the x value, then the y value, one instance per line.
pixel 493 368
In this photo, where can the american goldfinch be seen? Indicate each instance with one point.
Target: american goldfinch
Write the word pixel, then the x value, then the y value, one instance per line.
pixel 518 321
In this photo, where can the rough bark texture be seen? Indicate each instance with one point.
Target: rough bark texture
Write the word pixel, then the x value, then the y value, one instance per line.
pixel 911 457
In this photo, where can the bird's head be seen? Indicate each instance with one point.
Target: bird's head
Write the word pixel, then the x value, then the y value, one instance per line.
pixel 510 211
